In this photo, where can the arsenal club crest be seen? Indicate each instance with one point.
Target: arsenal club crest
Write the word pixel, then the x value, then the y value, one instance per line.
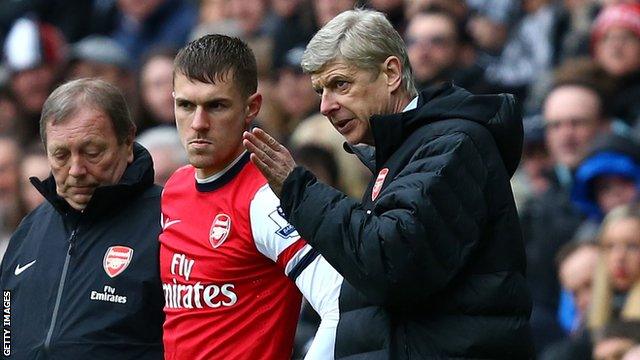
pixel 116 260
pixel 378 184
pixel 220 229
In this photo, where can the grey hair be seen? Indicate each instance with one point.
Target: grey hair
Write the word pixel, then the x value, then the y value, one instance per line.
pixel 363 38
pixel 70 97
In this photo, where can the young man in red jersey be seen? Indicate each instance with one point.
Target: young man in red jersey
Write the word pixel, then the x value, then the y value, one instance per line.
pixel 232 268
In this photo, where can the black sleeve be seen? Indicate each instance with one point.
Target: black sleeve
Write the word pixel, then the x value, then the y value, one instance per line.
pixel 420 233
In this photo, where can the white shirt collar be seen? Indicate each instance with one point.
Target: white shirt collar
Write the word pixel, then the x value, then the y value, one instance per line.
pixel 412 105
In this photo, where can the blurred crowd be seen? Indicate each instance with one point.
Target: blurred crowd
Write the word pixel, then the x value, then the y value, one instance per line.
pixel 573 64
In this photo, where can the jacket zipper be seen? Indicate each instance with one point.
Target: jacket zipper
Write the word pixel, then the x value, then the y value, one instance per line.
pixel 63 277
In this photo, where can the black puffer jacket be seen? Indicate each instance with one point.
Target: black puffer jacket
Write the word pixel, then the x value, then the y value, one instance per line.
pixel 86 285
pixel 434 265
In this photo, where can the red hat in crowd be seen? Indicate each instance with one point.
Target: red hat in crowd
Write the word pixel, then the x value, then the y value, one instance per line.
pixel 622 15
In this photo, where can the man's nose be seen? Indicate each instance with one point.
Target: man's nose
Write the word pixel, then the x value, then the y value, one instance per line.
pixel 200 120
pixel 77 168
pixel 328 104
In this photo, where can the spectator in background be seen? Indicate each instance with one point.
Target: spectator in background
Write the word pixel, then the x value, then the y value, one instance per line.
pixel 576 262
pixel 215 18
pixel 256 26
pixel 293 94
pixel 325 10
pixel 254 18
pixel 457 8
pixel 609 176
pixel 574 113
pixel 141 25
pixel 10 210
pixel 616 2
pixel 163 143
pixel 573 29
pixel 489 23
pixel 155 84
pixel 615 340
pixel 319 161
pixel 294 25
pixel 8 112
pixel 616 47
pixel 393 10
pixel 528 52
pixel 101 57
pixel 74 18
pixel 616 286
pixel 582 70
pixel 33 54
pixel 434 45
pixel 531 179
pixel 211 11
pixel 34 163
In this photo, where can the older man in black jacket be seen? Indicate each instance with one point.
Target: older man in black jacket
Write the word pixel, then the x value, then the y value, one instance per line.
pixel 432 257
pixel 80 278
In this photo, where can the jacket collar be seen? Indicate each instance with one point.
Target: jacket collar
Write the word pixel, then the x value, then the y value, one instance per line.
pixel 390 131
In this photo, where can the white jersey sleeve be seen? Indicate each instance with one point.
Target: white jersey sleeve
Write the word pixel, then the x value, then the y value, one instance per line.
pixel 318 282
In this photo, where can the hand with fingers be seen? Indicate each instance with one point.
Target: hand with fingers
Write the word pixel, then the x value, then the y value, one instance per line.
pixel 272 158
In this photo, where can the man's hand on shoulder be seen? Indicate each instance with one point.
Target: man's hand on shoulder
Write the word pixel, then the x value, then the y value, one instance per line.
pixel 272 158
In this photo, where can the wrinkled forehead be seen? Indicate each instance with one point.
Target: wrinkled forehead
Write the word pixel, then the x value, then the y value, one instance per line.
pixel 337 68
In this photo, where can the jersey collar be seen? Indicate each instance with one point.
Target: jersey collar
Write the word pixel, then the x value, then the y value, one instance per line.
pixel 218 180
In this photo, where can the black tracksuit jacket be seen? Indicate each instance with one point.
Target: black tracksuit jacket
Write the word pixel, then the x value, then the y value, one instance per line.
pixel 434 264
pixel 62 302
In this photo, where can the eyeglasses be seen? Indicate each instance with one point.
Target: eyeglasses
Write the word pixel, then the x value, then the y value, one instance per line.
pixel 438 41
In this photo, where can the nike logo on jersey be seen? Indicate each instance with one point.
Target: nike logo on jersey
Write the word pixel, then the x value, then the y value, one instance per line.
pixel 166 223
pixel 19 269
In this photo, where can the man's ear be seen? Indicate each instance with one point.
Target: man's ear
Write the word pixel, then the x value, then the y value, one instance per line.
pixel 129 144
pixel 254 102
pixel 393 70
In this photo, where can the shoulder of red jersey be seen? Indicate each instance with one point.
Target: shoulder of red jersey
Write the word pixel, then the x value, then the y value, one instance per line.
pixel 186 171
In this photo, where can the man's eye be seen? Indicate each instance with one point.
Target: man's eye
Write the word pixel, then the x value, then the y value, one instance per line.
pixel 185 105
pixel 341 85
pixel 216 105
pixel 60 156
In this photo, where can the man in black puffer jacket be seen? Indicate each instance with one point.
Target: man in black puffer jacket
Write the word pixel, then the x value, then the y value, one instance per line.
pixel 432 257
pixel 80 278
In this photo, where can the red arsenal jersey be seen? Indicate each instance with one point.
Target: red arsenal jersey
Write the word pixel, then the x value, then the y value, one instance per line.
pixel 225 256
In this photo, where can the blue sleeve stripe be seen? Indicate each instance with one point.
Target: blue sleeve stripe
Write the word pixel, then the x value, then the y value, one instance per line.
pixel 303 263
